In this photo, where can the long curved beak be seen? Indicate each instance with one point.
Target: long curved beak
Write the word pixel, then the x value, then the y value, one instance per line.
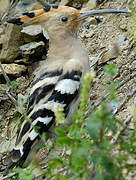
pixel 86 14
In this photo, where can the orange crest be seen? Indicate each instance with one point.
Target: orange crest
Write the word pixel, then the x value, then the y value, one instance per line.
pixel 41 15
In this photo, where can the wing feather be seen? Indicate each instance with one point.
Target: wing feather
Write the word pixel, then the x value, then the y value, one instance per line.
pixel 63 93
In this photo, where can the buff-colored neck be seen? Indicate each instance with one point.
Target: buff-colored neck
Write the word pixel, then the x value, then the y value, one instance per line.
pixel 65 45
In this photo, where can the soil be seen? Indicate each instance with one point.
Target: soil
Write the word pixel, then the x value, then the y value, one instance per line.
pixel 110 32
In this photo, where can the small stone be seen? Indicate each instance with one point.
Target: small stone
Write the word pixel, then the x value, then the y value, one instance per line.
pixel 90 34
pixel 13 69
pixel 99 19
pixel 123 27
pixel 121 39
pixel 91 20
pixel 90 5
pixel 87 33
pixel 112 107
pixel 101 46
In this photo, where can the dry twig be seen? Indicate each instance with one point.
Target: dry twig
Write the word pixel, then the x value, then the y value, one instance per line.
pixel 8 93
pixel 8 176
pixel 11 5
pixel 11 97
pixel 95 61
pixel 126 123
pixel 126 99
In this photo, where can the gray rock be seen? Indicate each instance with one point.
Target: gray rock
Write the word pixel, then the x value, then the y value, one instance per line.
pixel 31 47
pixel 32 30
pixel 64 2
pixel 3 5
pixel 11 42
pixel 25 5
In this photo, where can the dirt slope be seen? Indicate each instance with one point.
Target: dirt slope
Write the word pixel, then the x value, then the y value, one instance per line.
pixel 110 33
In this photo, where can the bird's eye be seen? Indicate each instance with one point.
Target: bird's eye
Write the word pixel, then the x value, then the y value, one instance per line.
pixel 64 19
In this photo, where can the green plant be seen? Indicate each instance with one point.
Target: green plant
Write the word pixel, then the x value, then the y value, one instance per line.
pixel 89 149
pixel 87 141
pixel 25 174
pixel 14 84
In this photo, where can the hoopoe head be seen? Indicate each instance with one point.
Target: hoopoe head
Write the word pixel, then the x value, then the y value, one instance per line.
pixel 56 18
pixel 51 18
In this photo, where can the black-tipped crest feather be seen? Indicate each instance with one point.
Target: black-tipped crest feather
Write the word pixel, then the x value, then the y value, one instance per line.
pixel 29 14
pixel 16 21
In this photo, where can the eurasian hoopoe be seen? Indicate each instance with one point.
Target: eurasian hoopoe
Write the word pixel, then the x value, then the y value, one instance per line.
pixel 58 83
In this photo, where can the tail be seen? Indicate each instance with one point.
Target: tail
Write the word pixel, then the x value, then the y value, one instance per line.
pixel 25 141
pixel 18 157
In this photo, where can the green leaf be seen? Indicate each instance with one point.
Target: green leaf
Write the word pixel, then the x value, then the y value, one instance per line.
pixel 99 176
pixel 60 177
pixel 25 174
pixel 110 70
pixel 14 84
pixel 93 126
pixel 55 163
pixel 112 86
pixel 65 141
pixel 96 158
pixel 60 132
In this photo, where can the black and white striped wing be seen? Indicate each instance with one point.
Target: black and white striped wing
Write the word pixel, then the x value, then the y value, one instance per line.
pixel 42 115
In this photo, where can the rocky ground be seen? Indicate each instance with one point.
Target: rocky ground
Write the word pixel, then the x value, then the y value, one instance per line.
pixel 107 39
